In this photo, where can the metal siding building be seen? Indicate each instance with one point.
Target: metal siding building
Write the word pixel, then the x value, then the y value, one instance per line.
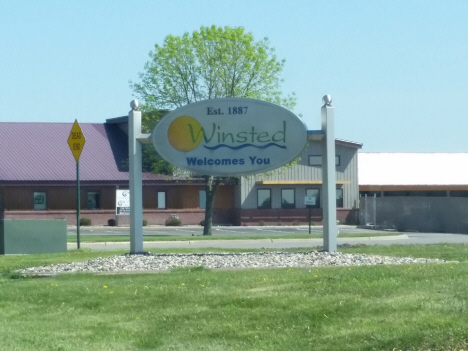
pixel 299 178
pixel 425 192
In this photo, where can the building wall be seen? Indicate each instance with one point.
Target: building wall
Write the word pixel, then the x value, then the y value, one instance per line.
pixel 182 199
pixel 457 190
pixel 346 174
pixel 300 177
pixel 298 216
pixel 58 197
pixel 186 196
pixel 64 197
pixel 153 217
pixel 416 213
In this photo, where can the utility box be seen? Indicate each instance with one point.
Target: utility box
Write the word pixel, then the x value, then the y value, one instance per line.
pixel 28 236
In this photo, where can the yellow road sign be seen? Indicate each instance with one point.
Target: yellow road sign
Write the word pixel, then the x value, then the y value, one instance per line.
pixel 76 140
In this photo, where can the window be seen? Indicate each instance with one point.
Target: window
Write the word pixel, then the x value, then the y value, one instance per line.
pixel 315 193
pixel 40 201
pixel 339 198
pixel 458 193
pixel 202 199
pixel 396 193
pixel 369 193
pixel 264 198
pixel 92 201
pixel 288 198
pixel 437 193
pixel 316 160
pixel 162 200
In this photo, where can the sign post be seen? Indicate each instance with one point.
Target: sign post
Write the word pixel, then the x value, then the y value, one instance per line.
pixel 135 179
pixel 309 201
pixel 76 141
pixel 329 176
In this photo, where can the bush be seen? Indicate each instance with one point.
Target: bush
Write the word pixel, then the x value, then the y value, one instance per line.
pixel 85 221
pixel 296 222
pixel 145 222
pixel 111 222
pixel 173 222
pixel 202 222
pixel 261 223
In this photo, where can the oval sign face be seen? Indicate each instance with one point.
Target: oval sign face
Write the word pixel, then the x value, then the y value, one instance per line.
pixel 229 137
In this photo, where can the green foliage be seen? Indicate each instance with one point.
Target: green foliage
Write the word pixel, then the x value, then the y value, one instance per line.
pixel 261 223
pixel 145 222
pixel 173 222
pixel 286 204
pixel 111 222
pixel 213 62
pixel 150 118
pixel 85 221
pixel 154 163
pixel 151 162
pixel 266 203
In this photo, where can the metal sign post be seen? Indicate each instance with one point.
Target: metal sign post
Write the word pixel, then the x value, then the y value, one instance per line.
pixel 135 174
pixel 76 141
pixel 329 176
pixel 310 201
pixel 135 139
pixel 78 204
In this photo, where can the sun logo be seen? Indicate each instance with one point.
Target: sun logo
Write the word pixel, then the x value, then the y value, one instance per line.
pixel 185 133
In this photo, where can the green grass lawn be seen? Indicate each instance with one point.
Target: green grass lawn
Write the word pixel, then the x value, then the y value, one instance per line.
pixel 408 307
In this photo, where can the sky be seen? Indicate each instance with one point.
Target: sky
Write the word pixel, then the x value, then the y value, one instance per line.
pixel 397 70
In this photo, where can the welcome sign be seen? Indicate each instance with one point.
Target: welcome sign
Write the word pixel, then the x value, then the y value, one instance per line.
pixel 230 136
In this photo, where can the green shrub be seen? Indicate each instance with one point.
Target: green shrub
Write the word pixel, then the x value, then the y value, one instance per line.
pixel 173 222
pixel 351 220
pixel 85 221
pixel 202 222
pixel 111 222
pixel 296 222
pixel 261 223
pixel 145 222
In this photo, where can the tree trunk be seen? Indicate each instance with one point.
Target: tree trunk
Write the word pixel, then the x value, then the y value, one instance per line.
pixel 212 184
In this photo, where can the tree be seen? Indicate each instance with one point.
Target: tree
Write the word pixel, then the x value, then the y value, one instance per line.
pixel 214 62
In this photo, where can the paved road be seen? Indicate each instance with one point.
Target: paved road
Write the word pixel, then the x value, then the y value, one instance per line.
pixel 405 239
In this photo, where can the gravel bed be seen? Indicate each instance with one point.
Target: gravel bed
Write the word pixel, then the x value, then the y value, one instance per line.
pixel 163 262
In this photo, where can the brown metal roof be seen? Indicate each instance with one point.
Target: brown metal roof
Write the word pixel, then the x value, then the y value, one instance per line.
pixel 39 152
